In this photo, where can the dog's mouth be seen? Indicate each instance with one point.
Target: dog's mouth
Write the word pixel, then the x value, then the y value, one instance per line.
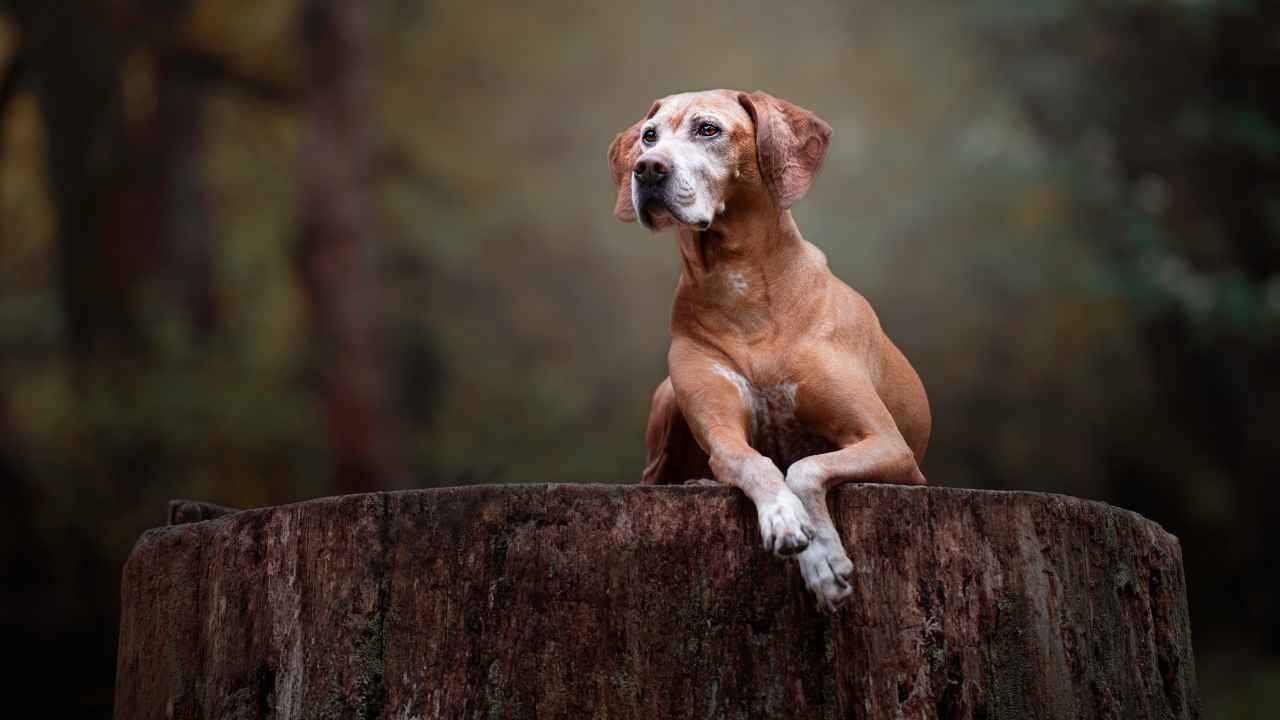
pixel 656 213
pixel 652 211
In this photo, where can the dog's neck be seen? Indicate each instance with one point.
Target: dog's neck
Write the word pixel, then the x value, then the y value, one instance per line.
pixel 744 273
pixel 737 239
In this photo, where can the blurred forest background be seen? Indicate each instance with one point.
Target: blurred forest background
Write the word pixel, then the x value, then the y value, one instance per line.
pixel 257 251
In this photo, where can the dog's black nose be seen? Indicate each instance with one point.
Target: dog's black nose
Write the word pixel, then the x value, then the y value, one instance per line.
pixel 651 171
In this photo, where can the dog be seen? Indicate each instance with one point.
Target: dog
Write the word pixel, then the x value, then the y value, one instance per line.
pixel 781 381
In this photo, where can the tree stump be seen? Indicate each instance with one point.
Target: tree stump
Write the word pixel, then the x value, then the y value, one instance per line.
pixel 602 601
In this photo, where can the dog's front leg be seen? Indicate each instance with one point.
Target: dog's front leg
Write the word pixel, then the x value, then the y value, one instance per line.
pixel 718 415
pixel 871 450
pixel 826 567
pixel 785 526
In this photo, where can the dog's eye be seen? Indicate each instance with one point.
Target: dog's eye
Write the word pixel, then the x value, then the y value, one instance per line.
pixel 708 130
pixel 650 136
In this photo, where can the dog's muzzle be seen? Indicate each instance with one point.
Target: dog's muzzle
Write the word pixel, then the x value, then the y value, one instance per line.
pixel 658 194
pixel 651 176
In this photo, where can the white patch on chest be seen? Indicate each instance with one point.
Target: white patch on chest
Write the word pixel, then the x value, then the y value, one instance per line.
pixel 737 283
pixel 744 387
pixel 775 432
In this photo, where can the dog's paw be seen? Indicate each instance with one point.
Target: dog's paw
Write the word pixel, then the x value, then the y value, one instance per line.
pixel 827 571
pixel 785 528
pixel 702 482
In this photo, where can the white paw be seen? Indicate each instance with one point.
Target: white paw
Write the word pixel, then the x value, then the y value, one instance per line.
pixel 827 572
pixel 785 528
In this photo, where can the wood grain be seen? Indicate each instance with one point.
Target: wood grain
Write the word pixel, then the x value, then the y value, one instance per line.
pixel 594 601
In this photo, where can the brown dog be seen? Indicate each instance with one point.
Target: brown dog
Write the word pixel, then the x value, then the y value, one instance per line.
pixel 776 365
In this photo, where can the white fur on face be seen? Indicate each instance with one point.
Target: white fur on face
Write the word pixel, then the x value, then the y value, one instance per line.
pixel 701 167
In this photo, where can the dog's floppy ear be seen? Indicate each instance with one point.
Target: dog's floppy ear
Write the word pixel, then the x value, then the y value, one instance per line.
pixel 791 144
pixel 623 153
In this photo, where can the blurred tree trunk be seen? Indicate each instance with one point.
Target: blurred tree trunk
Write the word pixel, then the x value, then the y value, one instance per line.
pixel 186 226
pixel 123 117
pixel 336 248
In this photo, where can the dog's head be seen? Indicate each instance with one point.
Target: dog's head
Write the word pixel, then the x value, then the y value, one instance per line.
pixel 694 154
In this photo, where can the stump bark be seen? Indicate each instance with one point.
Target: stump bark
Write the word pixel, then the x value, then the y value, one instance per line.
pixel 557 601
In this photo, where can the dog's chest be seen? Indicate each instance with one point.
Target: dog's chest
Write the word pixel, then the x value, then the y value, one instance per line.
pixel 776 432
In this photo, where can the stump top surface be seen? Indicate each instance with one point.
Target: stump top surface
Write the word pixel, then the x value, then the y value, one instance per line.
pixel 529 493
